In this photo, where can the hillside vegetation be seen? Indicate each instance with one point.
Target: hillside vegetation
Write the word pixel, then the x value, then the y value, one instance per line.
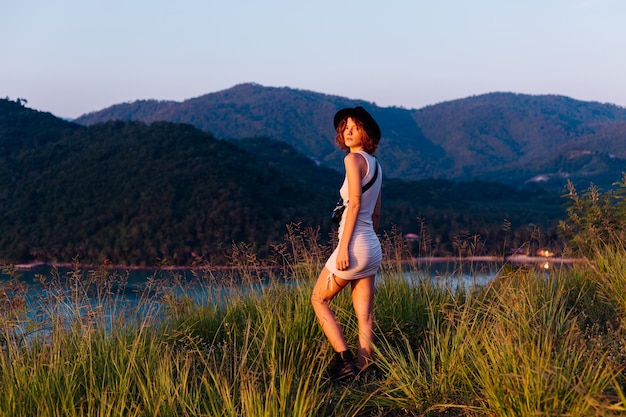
pixel 510 137
pixel 531 342
pixel 145 194
pixel 137 193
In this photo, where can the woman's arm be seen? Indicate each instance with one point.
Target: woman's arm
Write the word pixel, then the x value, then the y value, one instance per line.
pixel 356 167
pixel 376 213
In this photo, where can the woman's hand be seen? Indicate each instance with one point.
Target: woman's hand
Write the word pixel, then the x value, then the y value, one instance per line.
pixel 343 259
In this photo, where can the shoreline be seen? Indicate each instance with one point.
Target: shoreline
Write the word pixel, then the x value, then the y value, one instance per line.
pixel 516 259
pixel 33 265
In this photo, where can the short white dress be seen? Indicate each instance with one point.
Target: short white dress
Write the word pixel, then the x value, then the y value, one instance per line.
pixel 364 249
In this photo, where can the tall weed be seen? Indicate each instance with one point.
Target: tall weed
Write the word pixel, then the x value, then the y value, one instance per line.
pixel 529 343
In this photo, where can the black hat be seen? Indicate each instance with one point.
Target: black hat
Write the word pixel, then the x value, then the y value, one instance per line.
pixel 361 114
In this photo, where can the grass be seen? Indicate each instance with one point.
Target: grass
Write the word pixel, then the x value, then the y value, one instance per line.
pixel 530 342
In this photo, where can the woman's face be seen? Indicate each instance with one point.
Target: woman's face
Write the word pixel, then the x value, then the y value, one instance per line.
pixel 352 135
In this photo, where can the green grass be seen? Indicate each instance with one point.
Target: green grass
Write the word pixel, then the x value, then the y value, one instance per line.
pixel 529 343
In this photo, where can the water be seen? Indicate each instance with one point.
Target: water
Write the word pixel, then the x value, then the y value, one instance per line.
pixel 123 287
pixel 454 275
pixel 34 299
pixel 110 290
pixel 43 294
pixel 134 283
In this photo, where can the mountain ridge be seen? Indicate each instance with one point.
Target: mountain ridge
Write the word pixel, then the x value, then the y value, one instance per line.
pixel 513 137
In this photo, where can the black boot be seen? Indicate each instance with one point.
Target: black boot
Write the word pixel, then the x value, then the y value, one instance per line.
pixel 343 367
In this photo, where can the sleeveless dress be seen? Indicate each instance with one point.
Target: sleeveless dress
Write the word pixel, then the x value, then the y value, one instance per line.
pixel 364 249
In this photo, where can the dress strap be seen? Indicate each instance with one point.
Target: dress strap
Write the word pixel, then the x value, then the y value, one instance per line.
pixel 329 281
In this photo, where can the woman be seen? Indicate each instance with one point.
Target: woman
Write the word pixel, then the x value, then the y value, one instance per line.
pixel 357 257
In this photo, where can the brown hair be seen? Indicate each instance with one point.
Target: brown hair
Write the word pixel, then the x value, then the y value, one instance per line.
pixel 369 145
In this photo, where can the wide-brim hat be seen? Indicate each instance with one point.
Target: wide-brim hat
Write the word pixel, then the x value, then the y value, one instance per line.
pixel 360 113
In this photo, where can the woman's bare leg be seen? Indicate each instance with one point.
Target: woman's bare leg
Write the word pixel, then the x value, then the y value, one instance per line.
pixel 363 302
pixel 323 292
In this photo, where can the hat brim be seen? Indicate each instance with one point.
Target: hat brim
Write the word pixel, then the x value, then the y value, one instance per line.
pixel 361 114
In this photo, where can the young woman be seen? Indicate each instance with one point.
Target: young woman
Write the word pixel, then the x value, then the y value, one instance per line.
pixel 357 257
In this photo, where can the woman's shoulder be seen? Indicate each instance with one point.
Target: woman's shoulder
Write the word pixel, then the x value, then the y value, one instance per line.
pixel 355 161
pixel 360 157
pixel 355 158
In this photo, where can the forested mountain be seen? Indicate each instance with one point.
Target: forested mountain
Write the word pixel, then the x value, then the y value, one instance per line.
pixel 514 138
pixel 135 193
pixel 301 118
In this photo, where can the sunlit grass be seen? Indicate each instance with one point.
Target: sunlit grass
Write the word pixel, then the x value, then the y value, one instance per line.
pixel 532 342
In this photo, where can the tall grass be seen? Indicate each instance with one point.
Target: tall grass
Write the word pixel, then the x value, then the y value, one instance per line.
pixel 530 342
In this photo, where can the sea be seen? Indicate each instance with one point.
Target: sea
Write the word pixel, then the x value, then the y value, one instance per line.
pixel 133 283
pixel 33 296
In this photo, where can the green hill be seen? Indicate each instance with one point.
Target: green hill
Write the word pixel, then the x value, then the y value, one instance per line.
pixel 513 138
pixel 135 193
pixel 138 193
pixel 516 137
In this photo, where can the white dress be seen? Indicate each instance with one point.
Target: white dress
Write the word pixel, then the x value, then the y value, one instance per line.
pixel 364 249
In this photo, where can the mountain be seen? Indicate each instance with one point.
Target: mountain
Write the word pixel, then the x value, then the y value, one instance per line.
pixel 514 138
pixel 301 118
pixel 138 193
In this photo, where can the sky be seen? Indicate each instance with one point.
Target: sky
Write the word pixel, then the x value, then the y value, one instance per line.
pixel 71 57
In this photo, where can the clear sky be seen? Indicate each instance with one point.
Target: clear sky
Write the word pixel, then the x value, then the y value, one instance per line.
pixel 71 57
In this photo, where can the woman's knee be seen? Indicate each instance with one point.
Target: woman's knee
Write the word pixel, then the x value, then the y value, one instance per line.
pixel 319 299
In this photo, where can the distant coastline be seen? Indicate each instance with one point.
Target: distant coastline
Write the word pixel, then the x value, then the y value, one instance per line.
pixel 514 259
